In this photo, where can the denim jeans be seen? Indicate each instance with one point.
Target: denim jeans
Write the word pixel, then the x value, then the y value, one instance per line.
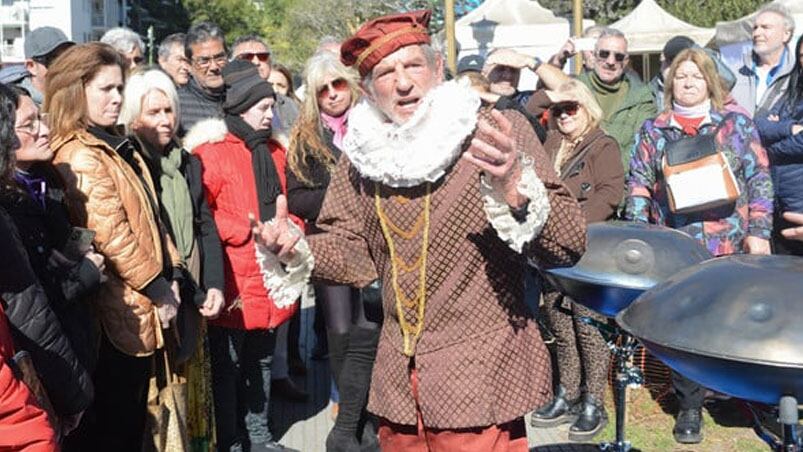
pixel 241 367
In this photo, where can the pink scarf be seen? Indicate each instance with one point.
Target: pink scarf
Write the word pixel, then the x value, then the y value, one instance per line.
pixel 338 125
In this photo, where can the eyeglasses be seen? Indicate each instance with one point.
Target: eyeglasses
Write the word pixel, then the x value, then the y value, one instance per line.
pixel 263 57
pixel 570 108
pixel 604 54
pixel 339 84
pixel 33 127
pixel 204 61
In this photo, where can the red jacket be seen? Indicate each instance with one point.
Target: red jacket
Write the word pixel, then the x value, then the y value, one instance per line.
pixel 228 180
pixel 23 425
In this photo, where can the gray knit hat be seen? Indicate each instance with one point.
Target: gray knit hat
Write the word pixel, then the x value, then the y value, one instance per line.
pixel 244 86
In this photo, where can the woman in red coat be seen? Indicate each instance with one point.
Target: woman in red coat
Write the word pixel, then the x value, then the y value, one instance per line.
pixel 243 174
pixel 23 425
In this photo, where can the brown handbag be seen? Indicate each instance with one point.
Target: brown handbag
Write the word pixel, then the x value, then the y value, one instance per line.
pixel 697 175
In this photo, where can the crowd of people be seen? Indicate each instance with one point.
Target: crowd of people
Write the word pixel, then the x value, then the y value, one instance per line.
pixel 161 224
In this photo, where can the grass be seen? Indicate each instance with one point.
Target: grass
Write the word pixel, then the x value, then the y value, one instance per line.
pixel 650 421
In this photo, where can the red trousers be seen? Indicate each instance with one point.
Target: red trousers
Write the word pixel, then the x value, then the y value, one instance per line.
pixel 508 437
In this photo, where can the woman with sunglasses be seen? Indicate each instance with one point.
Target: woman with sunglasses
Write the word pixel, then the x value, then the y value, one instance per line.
pixel 588 162
pixel 331 91
pixel 693 119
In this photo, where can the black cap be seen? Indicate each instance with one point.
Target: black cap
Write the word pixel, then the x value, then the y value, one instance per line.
pixel 244 86
pixel 470 63
pixel 676 45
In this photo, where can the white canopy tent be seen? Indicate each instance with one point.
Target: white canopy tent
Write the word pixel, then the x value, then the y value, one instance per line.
pixel 522 25
pixel 648 27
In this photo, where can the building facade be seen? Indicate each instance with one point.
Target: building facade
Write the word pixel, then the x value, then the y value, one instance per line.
pixel 80 20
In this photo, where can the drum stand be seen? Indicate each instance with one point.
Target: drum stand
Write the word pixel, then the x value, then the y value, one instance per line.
pixel 623 346
pixel 788 418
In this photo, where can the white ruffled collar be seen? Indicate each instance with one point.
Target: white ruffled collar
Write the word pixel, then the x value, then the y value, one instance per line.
pixel 421 149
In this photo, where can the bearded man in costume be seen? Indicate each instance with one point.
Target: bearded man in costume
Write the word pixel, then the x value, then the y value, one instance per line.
pixel 446 203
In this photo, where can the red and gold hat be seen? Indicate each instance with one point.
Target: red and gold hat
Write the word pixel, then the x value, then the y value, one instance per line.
pixel 382 36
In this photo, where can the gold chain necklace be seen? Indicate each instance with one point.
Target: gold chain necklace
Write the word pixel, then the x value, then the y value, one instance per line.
pixel 410 333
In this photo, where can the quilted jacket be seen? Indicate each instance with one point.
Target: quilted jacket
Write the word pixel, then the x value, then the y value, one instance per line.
pixel 106 194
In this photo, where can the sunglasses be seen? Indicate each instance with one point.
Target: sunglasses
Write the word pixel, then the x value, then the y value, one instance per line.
pixel 570 108
pixel 337 85
pixel 263 57
pixel 604 54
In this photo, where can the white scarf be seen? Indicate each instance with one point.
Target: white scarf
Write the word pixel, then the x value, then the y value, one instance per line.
pixel 421 149
pixel 695 111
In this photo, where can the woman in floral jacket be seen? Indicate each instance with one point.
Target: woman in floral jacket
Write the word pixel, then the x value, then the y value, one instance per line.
pixel 693 107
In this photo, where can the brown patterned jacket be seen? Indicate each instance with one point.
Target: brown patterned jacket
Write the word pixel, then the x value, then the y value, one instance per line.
pixel 480 358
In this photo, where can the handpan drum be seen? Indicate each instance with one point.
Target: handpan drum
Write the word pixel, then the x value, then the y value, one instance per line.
pixel 622 260
pixel 732 324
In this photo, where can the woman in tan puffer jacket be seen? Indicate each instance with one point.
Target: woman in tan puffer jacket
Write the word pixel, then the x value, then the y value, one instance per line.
pixel 109 190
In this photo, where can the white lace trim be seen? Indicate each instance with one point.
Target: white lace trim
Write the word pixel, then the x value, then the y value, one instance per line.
pixel 516 234
pixel 286 283
pixel 421 149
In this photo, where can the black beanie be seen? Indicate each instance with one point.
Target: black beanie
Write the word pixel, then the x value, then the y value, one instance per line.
pixel 244 86
pixel 676 45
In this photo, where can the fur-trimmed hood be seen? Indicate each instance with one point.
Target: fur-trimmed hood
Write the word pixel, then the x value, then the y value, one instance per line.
pixel 214 130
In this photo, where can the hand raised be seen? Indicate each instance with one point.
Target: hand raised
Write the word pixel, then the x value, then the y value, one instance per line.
pixel 276 235
pixel 493 150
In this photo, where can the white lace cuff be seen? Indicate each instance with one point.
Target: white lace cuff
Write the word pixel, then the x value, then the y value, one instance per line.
pixel 286 283
pixel 514 233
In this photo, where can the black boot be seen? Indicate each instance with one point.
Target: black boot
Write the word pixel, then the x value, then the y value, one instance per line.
pixel 353 384
pixel 591 419
pixel 689 426
pixel 558 411
pixel 369 439
pixel 337 353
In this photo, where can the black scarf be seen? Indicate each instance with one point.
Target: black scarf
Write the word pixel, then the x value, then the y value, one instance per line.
pixel 267 179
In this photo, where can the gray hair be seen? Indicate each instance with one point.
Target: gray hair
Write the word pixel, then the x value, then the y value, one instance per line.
pixel 202 32
pixel 167 44
pixel 610 32
pixel 783 11
pixel 137 87
pixel 248 38
pixel 593 31
pixel 123 39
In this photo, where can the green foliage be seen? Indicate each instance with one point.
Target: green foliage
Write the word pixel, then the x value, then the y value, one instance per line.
pixel 707 14
pixel 234 17
pixel 602 11
pixel 165 16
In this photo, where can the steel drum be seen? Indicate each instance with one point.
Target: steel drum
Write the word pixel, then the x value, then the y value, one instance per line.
pixel 622 260
pixel 733 324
